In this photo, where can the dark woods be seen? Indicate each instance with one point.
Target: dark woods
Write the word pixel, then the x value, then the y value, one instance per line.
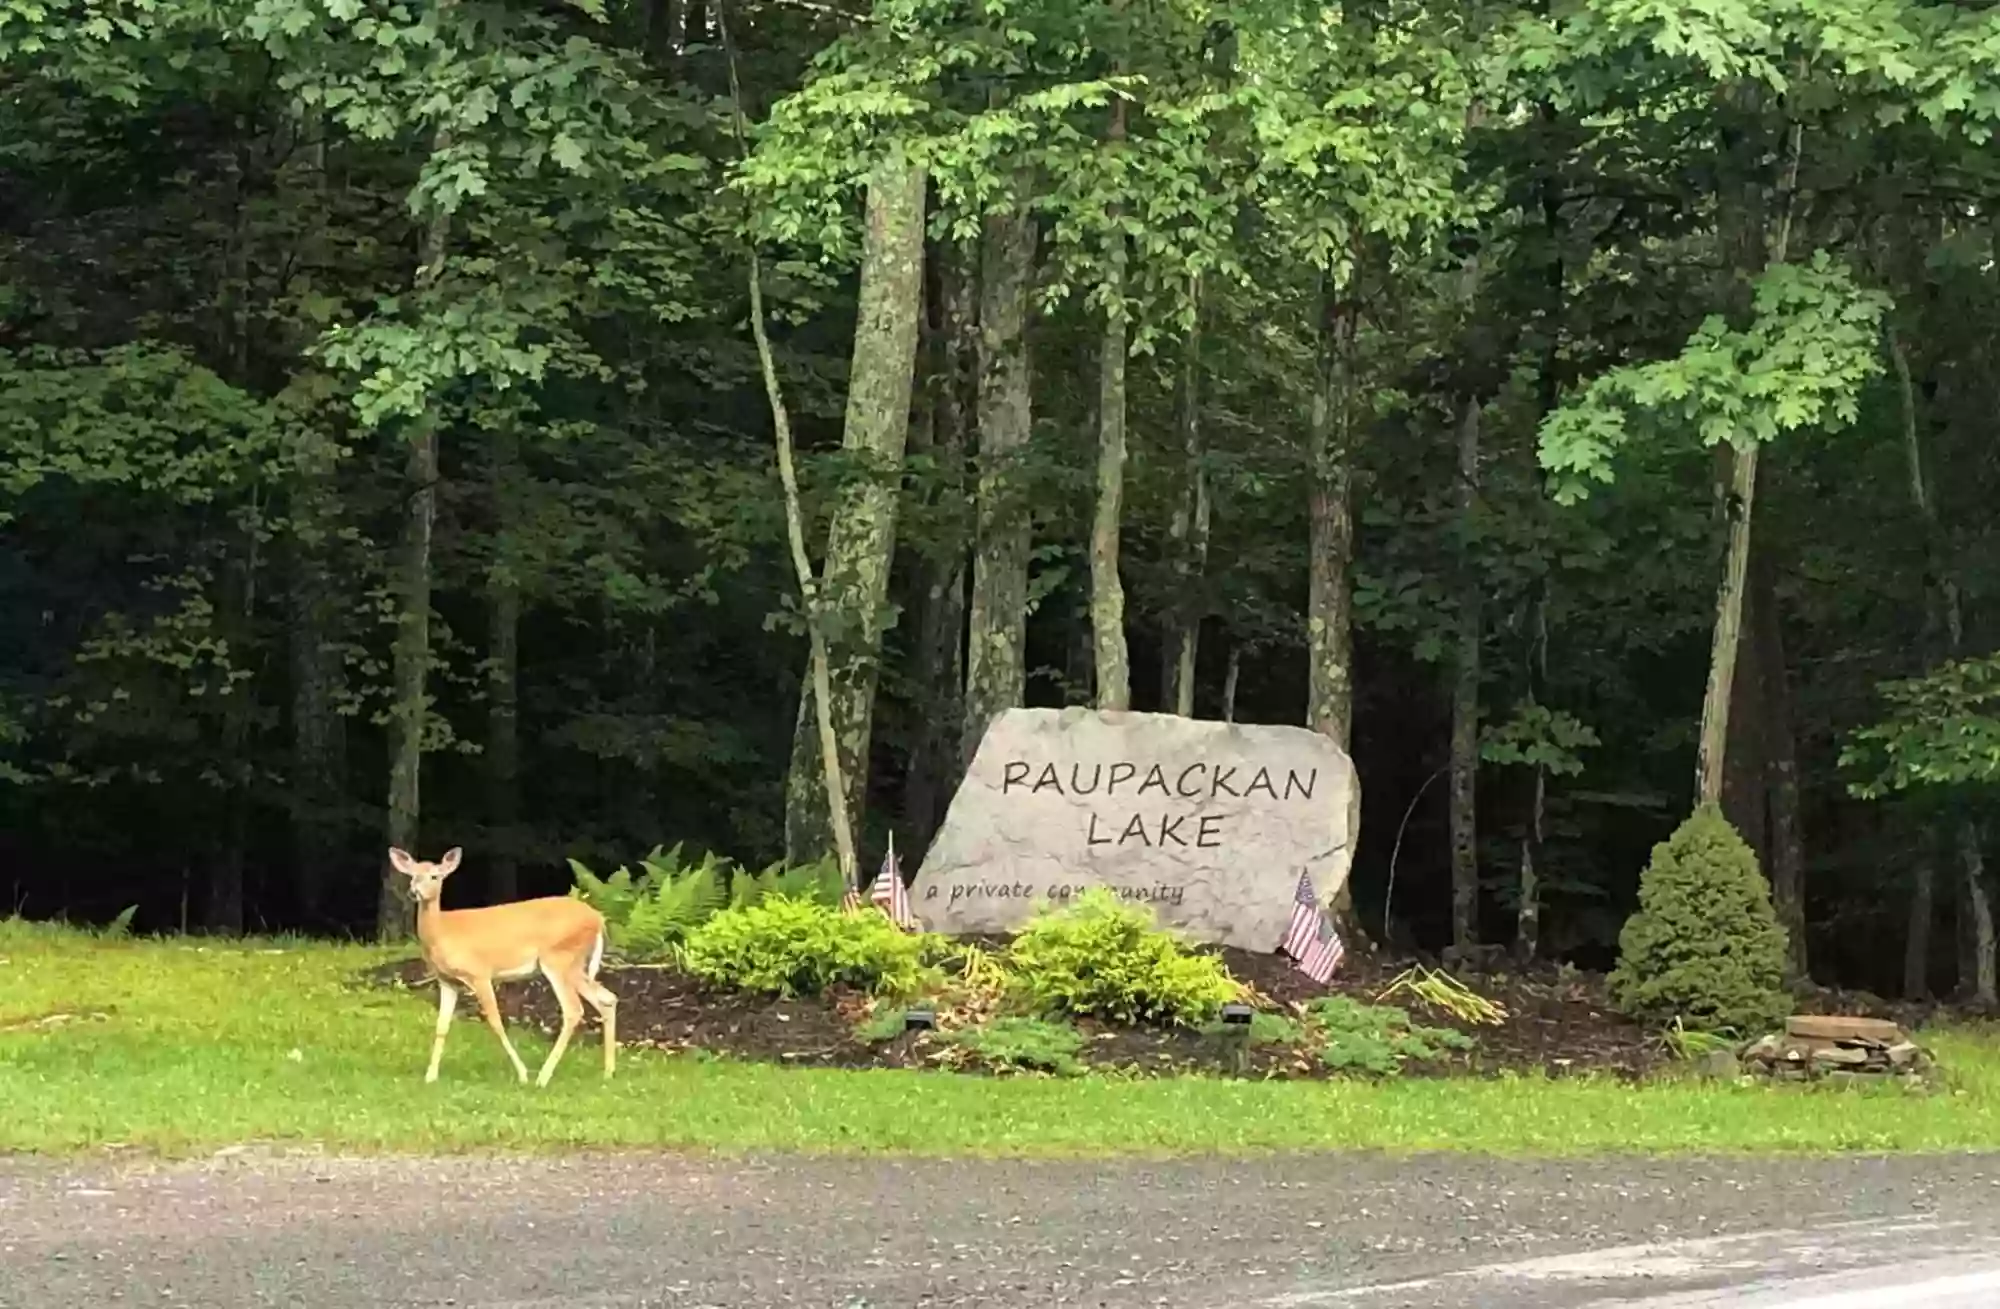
pixel 384 455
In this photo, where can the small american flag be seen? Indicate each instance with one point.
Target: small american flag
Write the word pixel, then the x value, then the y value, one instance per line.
pixel 1324 954
pixel 850 899
pixel 889 893
pixel 1305 920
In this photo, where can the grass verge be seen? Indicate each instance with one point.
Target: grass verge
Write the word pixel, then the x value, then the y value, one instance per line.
pixel 175 1047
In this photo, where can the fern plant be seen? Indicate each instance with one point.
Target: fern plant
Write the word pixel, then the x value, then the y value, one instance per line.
pixel 648 916
pixel 678 900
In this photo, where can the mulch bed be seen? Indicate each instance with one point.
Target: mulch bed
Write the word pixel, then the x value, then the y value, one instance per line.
pixel 1556 1022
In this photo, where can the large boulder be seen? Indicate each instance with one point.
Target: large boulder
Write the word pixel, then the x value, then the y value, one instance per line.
pixel 1209 823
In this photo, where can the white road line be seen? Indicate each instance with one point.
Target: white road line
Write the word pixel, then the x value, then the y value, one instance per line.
pixel 1652 1259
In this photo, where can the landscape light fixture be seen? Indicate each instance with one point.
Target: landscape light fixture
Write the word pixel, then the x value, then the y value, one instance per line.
pixel 1236 1013
pixel 919 1020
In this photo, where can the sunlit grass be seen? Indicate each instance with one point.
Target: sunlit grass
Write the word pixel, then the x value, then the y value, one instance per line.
pixel 180 1046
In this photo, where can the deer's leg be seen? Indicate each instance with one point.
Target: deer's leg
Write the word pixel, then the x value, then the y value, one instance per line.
pixel 606 1004
pixel 447 1006
pixel 489 1009
pixel 572 1014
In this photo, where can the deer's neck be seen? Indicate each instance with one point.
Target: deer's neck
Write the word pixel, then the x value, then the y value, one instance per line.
pixel 428 914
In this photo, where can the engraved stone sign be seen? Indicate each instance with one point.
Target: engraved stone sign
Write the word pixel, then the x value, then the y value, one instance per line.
pixel 1210 823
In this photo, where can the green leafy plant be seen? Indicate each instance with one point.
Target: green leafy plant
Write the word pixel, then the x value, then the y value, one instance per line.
pixel 1023 1044
pixel 647 917
pixel 1705 947
pixel 1265 1029
pixel 1373 1038
pixel 884 1023
pixel 783 946
pixel 1101 958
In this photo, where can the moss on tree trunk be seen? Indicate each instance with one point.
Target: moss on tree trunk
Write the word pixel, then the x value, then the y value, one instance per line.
pixel 861 542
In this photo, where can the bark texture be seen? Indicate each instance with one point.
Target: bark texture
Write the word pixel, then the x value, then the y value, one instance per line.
pixel 1464 816
pixel 409 674
pixel 319 733
pixel 997 617
pixel 1786 838
pixel 503 677
pixel 861 543
pixel 1188 530
pixel 940 654
pixel 1330 599
pixel 1113 662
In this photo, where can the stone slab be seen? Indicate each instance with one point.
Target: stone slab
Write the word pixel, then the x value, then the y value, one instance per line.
pixel 1841 1028
pixel 1209 823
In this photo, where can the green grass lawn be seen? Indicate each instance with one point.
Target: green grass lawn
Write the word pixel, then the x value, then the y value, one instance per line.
pixel 175 1046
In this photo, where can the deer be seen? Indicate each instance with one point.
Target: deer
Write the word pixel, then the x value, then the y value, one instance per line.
pixel 560 937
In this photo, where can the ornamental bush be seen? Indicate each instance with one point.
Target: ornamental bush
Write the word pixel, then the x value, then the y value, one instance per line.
pixel 1705 946
pixel 1098 957
pixel 783 946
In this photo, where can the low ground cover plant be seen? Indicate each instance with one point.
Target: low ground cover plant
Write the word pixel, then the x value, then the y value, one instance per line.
pixel 1375 1038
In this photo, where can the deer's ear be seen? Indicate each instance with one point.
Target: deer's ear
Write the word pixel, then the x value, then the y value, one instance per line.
pixel 401 862
pixel 450 860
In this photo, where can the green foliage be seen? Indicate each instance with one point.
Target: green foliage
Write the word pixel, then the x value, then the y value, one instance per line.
pixel 1705 948
pixel 1942 730
pixel 1688 1044
pixel 1537 736
pixel 782 946
pixel 1017 1044
pixel 1810 345
pixel 1265 1029
pixel 885 1022
pixel 1373 1038
pixel 1098 957
pixel 648 916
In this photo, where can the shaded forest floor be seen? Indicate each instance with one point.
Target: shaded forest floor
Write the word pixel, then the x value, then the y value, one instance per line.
pixel 1558 1022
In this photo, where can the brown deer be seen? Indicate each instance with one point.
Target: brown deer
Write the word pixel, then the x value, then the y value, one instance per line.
pixel 560 937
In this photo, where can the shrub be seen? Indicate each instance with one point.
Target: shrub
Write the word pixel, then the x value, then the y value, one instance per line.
pixel 1033 1044
pixel 1705 946
pixel 1101 958
pixel 1376 1038
pixel 783 946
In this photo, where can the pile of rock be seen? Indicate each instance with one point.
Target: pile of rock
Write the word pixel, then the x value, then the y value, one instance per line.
pixel 1836 1048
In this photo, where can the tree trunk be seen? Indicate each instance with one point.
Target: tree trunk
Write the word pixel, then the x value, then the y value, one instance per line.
pixel 319 732
pixel 997 619
pixel 1711 755
pixel 820 668
pixel 940 653
pixel 1330 597
pixel 408 676
pixel 226 893
pixel 1230 677
pixel 1758 246
pixel 1945 617
pixel 1465 695
pixel 1746 774
pixel 1189 529
pixel 1917 936
pixel 1330 600
pixel 861 543
pixel 1786 840
pixel 1978 909
pixel 1107 592
pixel 503 684
pixel 410 660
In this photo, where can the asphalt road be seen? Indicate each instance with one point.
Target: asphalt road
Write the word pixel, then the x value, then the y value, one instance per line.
pixel 1299 1232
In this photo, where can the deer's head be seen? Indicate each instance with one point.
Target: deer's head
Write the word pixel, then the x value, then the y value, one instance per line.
pixel 426 879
